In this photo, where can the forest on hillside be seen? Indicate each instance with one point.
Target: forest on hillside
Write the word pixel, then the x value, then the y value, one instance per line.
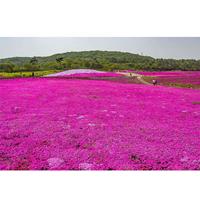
pixel 99 60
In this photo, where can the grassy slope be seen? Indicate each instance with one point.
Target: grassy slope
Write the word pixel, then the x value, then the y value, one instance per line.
pixel 26 74
pixel 86 55
pixel 178 85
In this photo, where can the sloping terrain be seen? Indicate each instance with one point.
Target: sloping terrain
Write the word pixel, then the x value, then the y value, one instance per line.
pixel 99 60
pixel 73 124
pixel 188 79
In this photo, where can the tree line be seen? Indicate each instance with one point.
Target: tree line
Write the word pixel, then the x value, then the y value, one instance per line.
pixel 100 60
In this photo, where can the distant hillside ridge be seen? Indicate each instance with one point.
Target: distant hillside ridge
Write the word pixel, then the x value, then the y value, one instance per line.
pixel 100 60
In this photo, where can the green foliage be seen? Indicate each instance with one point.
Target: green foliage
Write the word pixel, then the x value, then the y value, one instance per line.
pixel 59 60
pixel 26 74
pixel 100 60
pixel 7 67
pixel 34 61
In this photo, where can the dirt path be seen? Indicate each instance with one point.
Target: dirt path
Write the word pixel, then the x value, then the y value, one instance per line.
pixel 143 81
pixel 138 76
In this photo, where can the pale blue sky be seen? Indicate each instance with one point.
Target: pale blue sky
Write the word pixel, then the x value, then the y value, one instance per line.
pixel 156 47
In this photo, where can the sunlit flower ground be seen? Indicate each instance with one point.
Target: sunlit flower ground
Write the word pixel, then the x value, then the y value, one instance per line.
pixel 184 77
pixel 74 124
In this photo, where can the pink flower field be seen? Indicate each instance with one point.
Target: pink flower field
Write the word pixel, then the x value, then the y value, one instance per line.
pixel 185 77
pixel 74 124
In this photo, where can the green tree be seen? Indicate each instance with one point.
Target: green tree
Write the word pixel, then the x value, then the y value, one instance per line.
pixel 7 67
pixel 34 61
pixel 59 60
pixel 34 64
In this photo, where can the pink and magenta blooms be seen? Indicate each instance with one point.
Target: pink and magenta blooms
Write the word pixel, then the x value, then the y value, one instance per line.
pixel 187 77
pixel 73 124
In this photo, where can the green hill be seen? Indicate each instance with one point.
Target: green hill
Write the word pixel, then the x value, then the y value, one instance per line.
pixel 101 60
